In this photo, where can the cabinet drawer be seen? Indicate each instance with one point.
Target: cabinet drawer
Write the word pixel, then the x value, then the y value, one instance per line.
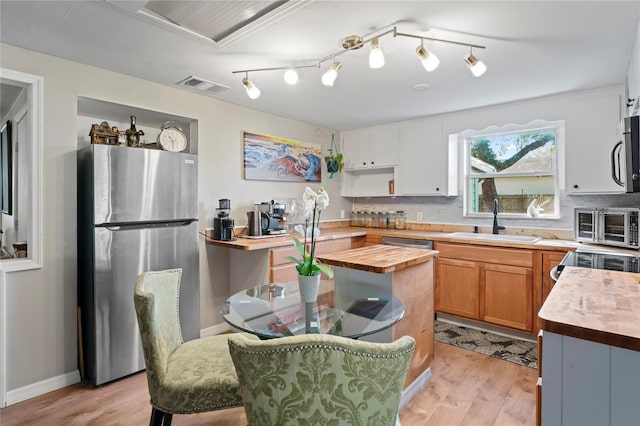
pixel 502 256
pixel 277 255
pixel 332 246
pixel 372 240
pixel 283 273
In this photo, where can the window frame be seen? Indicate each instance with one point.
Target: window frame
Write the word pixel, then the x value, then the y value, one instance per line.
pixel 557 172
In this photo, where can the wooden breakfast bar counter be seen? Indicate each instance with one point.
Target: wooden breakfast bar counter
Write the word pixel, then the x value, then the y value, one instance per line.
pixel 590 349
pixel 406 273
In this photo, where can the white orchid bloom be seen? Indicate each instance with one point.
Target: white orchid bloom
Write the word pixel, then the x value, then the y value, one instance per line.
pixel 309 201
pixel 316 232
pixel 323 199
pixel 299 229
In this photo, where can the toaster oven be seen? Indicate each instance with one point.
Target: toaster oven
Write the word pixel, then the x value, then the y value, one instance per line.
pixel 609 226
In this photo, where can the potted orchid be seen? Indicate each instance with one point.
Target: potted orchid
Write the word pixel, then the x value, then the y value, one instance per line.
pixel 308 267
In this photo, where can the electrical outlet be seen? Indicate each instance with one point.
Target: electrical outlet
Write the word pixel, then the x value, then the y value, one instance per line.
pixel 419 217
pixel 341 214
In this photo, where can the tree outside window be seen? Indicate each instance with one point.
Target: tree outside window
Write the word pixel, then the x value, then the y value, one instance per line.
pixel 519 169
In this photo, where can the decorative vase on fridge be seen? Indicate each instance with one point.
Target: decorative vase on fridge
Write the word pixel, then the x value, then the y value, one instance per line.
pixel 309 287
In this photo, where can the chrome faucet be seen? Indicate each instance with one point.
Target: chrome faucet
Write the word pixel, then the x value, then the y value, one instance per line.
pixel 496 228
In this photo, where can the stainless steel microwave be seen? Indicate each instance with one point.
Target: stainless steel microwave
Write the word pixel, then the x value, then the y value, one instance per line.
pixel 614 226
pixel 625 156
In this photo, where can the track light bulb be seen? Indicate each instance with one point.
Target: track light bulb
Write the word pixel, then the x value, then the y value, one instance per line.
pixel 429 61
pixel 376 57
pixel 252 91
pixel 291 76
pixel 329 77
pixel 477 67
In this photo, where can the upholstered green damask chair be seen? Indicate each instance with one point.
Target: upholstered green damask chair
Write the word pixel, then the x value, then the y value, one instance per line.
pixel 183 377
pixel 317 379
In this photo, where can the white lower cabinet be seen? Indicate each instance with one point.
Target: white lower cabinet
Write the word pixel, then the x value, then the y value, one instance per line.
pixel 587 383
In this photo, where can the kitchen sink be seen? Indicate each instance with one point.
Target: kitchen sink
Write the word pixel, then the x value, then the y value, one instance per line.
pixel 494 237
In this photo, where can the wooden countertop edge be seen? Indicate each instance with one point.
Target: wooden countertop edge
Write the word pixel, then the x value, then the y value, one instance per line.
pixel 597 336
pixel 247 244
pixel 414 257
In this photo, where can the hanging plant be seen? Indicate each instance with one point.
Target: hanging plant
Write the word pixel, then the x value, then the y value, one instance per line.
pixel 334 161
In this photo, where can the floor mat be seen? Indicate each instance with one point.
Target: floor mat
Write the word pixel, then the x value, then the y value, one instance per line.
pixel 506 348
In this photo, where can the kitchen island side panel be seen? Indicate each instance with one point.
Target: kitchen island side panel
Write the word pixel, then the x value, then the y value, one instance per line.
pixel 413 286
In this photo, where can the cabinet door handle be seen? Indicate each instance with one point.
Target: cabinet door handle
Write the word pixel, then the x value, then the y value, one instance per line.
pixel 575 186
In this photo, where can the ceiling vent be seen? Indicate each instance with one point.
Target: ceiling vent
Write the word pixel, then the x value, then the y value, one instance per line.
pixel 222 22
pixel 202 85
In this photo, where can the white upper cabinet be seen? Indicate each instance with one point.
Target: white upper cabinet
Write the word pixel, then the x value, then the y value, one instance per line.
pixel 589 141
pixel 371 147
pixel 423 159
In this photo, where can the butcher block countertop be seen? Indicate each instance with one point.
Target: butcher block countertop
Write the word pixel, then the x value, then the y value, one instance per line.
pixel 243 243
pixel 597 305
pixel 379 258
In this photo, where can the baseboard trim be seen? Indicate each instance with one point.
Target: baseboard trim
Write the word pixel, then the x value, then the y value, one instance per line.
pixel 214 330
pixel 415 387
pixel 40 388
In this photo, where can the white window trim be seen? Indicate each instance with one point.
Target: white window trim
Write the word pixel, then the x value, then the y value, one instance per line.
pixel 515 128
pixel 35 260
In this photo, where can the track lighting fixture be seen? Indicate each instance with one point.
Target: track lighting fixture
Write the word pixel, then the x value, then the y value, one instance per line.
pixel 329 77
pixel 252 90
pixel 477 67
pixel 429 61
pixel 376 59
pixel 291 76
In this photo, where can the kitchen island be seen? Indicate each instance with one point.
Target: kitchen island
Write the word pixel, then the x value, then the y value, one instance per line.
pixel 590 356
pixel 406 273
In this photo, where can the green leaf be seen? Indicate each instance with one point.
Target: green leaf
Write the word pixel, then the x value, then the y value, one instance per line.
pixel 293 259
pixel 299 246
pixel 325 269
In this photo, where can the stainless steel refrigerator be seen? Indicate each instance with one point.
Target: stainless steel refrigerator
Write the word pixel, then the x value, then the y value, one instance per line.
pixel 137 212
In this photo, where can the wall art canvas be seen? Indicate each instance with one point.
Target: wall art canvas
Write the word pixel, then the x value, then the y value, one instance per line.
pixel 275 158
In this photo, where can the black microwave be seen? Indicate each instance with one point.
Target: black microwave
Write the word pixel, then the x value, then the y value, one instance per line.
pixel 625 156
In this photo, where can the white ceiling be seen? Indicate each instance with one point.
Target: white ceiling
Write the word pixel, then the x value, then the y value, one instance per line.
pixel 532 49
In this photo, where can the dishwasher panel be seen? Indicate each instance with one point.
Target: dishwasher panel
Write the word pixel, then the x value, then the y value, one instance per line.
pixel 408 242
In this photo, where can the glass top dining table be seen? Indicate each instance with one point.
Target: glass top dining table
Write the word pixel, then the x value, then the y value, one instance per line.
pixel 275 310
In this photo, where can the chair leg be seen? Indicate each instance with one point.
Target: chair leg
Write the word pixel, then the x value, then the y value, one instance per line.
pixel 160 418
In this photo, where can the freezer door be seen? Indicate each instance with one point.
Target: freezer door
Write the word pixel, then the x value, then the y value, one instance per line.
pixel 121 254
pixel 134 185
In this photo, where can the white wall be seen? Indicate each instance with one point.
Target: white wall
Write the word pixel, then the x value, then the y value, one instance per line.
pixel 41 304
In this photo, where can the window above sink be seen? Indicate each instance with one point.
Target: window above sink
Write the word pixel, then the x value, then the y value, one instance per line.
pixel 517 165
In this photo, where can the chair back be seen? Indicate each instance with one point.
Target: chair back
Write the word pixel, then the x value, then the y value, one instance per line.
pixel 300 379
pixel 156 300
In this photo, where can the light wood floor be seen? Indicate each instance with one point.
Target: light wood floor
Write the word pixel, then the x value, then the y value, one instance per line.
pixel 466 388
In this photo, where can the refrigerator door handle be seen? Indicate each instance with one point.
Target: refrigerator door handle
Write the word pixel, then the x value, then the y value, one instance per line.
pixel 132 227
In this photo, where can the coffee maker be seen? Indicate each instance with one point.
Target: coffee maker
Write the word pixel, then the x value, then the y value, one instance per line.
pixel 266 218
pixel 223 224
